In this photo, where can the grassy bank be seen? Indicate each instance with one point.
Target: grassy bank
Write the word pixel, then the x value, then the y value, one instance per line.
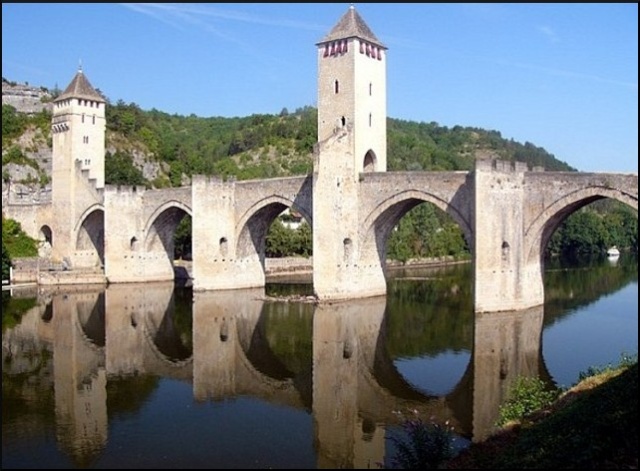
pixel 593 425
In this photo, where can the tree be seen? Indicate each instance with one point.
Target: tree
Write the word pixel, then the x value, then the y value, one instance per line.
pixel 182 239
pixel 6 262
pixel 119 170
pixel 18 243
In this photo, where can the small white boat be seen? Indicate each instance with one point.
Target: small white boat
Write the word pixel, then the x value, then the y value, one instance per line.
pixel 613 252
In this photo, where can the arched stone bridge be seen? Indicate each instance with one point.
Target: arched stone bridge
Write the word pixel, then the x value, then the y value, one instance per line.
pixel 506 212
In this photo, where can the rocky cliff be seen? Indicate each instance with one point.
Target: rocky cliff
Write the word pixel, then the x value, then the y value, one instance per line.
pixel 25 98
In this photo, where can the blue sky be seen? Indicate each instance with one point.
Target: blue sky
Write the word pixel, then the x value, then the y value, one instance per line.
pixel 561 76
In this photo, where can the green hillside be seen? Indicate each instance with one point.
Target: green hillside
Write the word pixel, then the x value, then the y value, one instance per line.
pixel 156 149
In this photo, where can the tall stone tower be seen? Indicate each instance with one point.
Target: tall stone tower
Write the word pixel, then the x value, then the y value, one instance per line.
pixel 78 134
pixel 352 139
pixel 352 90
pixel 78 127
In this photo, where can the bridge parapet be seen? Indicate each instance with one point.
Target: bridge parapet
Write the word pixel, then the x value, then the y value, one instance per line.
pixel 505 166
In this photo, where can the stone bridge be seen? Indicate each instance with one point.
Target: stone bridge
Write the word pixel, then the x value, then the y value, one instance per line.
pixel 506 212
pixel 507 215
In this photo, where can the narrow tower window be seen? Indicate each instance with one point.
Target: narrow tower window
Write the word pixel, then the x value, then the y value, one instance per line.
pixel 370 120
pixel 336 87
pixel 348 249
pixel 505 251
pixel 370 88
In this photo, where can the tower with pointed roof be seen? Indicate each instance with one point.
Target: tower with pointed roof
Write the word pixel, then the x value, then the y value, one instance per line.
pixel 78 130
pixel 352 90
pixel 78 134
pixel 352 140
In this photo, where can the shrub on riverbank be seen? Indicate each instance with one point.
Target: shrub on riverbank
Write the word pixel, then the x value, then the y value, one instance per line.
pixel 592 425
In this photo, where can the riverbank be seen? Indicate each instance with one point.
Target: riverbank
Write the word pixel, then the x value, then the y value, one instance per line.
pixel 30 271
pixel 300 270
pixel 593 425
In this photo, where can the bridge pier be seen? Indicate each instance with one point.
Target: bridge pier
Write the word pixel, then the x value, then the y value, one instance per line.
pixel 342 269
pixel 504 279
pixel 129 256
pixel 220 261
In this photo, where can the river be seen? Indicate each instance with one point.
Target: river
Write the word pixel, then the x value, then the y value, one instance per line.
pixel 158 376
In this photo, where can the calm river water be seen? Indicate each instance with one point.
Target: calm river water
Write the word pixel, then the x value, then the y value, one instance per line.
pixel 159 376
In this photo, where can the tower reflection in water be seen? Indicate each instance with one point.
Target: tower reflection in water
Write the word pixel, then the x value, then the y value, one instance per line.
pixel 226 345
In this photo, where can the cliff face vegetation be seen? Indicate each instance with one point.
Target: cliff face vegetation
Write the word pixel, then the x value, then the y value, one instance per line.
pixel 156 149
pixel 166 150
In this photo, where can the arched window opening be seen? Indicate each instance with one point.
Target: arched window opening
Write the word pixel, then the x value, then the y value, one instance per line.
pixel 336 87
pixel 46 235
pixel 369 164
pixel 343 121
pixel 348 248
pixel 223 246
pixel 133 244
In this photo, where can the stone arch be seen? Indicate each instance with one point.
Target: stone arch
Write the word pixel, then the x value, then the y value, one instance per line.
pixel 158 239
pixel 257 354
pixel 253 225
pixel 90 310
pixel 165 340
pixel 161 361
pixel 162 224
pixel 538 233
pixel 90 236
pixel 46 241
pixel 370 162
pixel 46 234
pixel 381 221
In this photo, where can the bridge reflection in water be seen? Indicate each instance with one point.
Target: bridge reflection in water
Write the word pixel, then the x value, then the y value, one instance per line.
pixel 349 384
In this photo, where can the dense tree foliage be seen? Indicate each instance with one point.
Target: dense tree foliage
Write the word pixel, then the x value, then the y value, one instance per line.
pixel 119 170
pixel 426 232
pixel 595 228
pixel 16 242
pixel 266 146
pixel 182 239
pixel 15 123
pixel 283 241
pixel 6 261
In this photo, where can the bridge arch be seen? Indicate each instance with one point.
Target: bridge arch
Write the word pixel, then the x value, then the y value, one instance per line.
pixel 90 319
pixel 386 215
pixel 165 341
pixel 161 226
pixel 252 227
pixel 538 233
pixel 90 235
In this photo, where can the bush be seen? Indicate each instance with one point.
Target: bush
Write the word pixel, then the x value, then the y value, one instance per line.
pixel 6 262
pixel 525 396
pixel 18 243
pixel 422 445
